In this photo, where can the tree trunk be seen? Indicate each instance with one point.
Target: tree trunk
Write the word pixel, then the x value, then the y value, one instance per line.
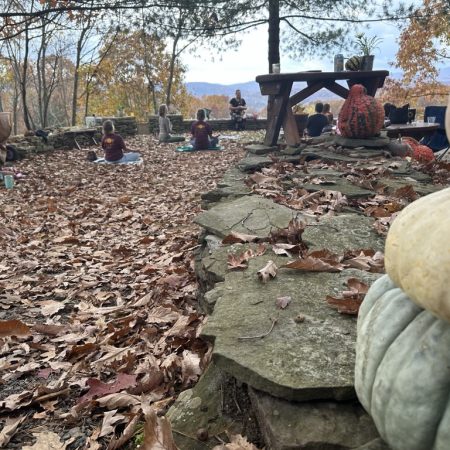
pixel 173 58
pixel 274 33
pixel 76 76
pixel 23 82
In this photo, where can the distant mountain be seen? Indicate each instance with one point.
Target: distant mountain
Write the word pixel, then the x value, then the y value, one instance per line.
pixel 256 101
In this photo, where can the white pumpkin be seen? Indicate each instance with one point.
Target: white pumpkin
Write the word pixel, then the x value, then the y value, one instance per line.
pixel 417 254
pixel 402 372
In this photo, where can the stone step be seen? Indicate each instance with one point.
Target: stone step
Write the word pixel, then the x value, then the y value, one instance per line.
pixel 215 405
pixel 314 425
pixel 297 360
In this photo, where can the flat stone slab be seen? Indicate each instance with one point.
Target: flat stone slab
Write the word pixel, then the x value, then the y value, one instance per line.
pixel 312 425
pixel 250 214
pixel 253 162
pixel 327 155
pixel 260 149
pixel 288 150
pixel 297 360
pixel 343 232
pixel 393 184
pixel 375 142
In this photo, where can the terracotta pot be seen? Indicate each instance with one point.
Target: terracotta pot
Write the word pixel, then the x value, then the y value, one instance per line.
pixel 5 126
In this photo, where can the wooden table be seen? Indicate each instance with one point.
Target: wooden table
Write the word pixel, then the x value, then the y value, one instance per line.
pixel 278 87
pixel 416 131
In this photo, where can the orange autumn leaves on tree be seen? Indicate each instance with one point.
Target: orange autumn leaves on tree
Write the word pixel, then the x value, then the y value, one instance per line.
pixel 423 45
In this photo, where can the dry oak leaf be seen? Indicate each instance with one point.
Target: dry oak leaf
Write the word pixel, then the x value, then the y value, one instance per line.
pixel 110 420
pixel 13 328
pixel 9 429
pixel 190 367
pixel 119 400
pixel 50 307
pixel 66 240
pixel 238 442
pixel 268 271
pixel 351 300
pixel 128 433
pixel 236 262
pixel 239 238
pixel 16 401
pixel 98 389
pixel 157 432
pixel 312 264
pixel 47 440
pixel 283 302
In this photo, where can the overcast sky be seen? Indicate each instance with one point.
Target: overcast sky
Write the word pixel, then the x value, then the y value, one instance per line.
pixel 251 58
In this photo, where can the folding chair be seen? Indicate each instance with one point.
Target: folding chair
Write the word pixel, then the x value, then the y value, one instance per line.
pixel 438 140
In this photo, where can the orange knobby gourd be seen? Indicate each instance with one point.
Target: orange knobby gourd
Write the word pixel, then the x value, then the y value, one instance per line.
pixel 361 116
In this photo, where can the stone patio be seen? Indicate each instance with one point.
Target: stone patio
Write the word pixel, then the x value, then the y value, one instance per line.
pixel 300 374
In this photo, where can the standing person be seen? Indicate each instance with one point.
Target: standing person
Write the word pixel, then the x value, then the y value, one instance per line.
pixel 114 146
pixel 316 122
pixel 237 111
pixel 202 138
pixel 165 127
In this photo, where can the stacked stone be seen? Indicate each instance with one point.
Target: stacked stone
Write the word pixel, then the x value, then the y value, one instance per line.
pixel 26 145
pixel 125 126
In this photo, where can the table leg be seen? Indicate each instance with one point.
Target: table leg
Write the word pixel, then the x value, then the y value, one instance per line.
pixel 291 135
pixel 276 114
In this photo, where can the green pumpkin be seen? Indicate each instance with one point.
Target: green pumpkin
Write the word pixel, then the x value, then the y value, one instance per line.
pixel 402 373
pixel 354 63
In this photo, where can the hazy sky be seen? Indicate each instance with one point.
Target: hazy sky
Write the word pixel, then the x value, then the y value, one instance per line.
pixel 251 58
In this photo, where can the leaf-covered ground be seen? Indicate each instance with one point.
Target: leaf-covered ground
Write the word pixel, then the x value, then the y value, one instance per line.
pixel 98 312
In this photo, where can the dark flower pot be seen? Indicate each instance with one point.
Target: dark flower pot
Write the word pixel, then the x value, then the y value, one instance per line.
pixel 367 62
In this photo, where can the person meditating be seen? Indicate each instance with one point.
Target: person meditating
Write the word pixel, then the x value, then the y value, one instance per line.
pixel 114 146
pixel 202 138
pixel 165 127
pixel 237 111
pixel 316 122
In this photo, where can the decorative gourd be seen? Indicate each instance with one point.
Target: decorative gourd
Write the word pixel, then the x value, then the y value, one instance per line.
pixel 418 252
pixel 354 63
pixel 402 373
pixel 361 115
pixel 420 152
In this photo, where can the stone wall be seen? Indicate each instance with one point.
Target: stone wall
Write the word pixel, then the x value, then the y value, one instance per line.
pixel 180 125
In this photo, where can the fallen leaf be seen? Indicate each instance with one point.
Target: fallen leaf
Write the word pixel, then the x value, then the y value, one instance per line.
pixel 13 328
pixel 157 432
pixel 50 307
pixel 236 238
pixel 110 420
pixel 128 433
pixel 118 400
pixel 9 429
pixel 46 440
pixel 98 389
pixel 239 261
pixel 268 271
pixel 238 442
pixel 311 264
pixel 190 367
pixel 283 302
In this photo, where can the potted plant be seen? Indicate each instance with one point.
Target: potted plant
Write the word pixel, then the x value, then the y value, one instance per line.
pixel 367 45
pixel 301 117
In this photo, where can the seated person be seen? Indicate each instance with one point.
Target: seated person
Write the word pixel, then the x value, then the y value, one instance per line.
pixel 316 122
pixel 114 146
pixel 202 138
pixel 165 127
pixel 327 112
pixel 237 111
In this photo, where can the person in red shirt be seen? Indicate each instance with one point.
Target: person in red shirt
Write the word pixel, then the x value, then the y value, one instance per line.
pixel 114 146
pixel 202 138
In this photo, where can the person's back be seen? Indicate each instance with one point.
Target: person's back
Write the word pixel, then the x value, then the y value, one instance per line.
pixel 201 131
pixel 316 122
pixel 112 143
pixel 165 127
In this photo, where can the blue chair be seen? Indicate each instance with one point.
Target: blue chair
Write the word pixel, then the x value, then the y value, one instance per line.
pixel 438 140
